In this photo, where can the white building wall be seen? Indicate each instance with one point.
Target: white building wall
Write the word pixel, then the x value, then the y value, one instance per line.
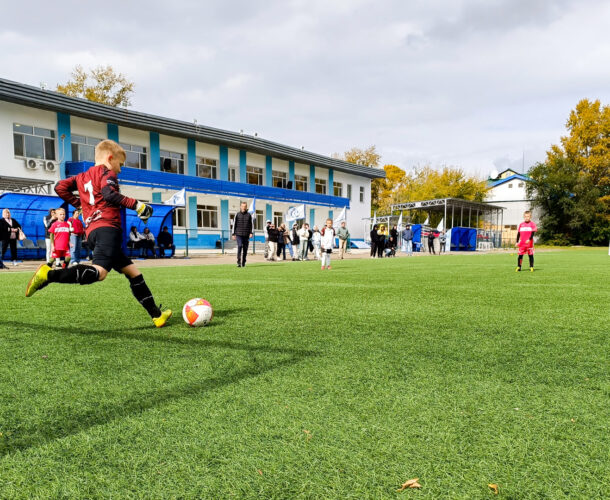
pixel 88 128
pixel 173 145
pixel 11 166
pixel 513 199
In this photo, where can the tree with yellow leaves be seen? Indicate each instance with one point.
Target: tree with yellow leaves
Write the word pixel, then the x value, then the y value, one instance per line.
pixel 106 86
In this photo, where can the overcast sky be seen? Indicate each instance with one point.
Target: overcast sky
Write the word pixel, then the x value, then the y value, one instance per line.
pixel 476 84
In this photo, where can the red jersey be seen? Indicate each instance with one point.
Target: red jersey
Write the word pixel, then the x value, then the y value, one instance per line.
pixel 77 226
pixel 61 235
pixel 98 195
pixel 525 231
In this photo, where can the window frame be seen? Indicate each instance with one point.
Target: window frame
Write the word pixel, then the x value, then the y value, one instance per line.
pixel 212 212
pixel 303 180
pixel 173 156
pixel 338 185
pixel 279 176
pixel 321 186
pixel 135 149
pixel 255 171
pixel 47 137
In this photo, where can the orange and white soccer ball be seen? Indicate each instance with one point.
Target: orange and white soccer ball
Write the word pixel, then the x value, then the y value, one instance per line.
pixel 197 312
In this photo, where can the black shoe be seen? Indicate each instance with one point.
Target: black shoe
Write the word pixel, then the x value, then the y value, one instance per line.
pixel 238 264
pixel 243 265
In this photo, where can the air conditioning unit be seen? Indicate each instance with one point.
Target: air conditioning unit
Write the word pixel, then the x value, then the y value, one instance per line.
pixel 31 164
pixel 50 166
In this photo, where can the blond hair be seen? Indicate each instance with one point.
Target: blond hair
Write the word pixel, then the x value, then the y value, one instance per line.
pixel 108 147
pixel 527 212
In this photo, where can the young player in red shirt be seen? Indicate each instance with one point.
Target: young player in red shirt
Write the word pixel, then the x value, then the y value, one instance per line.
pixel 60 240
pixel 101 202
pixel 525 240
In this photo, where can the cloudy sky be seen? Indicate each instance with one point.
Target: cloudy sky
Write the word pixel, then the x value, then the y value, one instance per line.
pixel 477 84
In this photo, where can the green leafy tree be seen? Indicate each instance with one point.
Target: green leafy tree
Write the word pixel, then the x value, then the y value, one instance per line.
pixel 101 85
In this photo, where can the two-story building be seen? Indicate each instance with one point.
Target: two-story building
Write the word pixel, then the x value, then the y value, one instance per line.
pixel 43 132
pixel 509 189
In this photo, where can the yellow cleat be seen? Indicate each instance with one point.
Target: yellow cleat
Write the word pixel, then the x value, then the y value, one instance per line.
pixel 531 269
pixel 162 320
pixel 518 269
pixel 38 281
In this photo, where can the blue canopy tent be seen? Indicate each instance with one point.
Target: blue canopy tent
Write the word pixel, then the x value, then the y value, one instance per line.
pixel 29 210
pixel 463 239
pixel 416 228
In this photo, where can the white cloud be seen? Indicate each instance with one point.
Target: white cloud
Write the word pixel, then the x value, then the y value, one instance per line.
pixel 471 83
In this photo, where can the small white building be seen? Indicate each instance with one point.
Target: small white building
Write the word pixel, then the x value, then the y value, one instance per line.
pixel 508 189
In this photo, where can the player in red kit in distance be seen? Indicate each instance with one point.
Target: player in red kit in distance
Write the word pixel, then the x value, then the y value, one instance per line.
pixel 101 202
pixel 525 240
pixel 60 239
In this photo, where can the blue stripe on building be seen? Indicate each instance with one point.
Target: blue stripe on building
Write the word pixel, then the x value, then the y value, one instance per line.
pixel 268 212
pixel 312 178
pixel 291 173
pixel 243 176
pixel 113 132
pixel 268 171
pixel 65 142
pixel 191 157
pixel 192 211
pixel 224 217
pixel 223 153
pixel 155 152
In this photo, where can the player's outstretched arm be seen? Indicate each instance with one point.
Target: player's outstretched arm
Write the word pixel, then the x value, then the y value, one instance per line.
pixel 65 190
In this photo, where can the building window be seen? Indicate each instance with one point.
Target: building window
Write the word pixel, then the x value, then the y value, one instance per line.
pixel 254 175
pixel 338 189
pixel 232 174
pixel 300 183
pixel 34 142
pixel 179 217
pixel 279 179
pixel 83 148
pixel 207 216
pixel 259 222
pixel 510 185
pixel 349 192
pixel 321 186
pixel 172 162
pixel 277 218
pixel 361 194
pixel 520 185
pixel 135 156
pixel 206 167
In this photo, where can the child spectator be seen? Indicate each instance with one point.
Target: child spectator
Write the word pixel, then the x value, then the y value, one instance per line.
pixel 327 242
pixel 317 242
pixel 59 233
pixel 76 236
pixel 274 235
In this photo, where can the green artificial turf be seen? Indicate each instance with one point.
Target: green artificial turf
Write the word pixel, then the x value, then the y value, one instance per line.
pixel 310 384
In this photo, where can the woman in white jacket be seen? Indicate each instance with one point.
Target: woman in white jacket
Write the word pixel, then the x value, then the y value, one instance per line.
pixel 327 242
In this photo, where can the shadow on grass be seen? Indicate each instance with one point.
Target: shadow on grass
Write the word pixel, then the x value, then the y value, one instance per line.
pixel 64 424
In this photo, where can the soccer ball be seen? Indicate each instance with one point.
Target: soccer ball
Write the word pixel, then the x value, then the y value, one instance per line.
pixel 197 312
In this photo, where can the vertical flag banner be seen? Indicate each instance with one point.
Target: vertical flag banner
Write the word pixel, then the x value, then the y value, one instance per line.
pixel 340 218
pixel 440 225
pixel 252 208
pixel 178 199
pixel 399 221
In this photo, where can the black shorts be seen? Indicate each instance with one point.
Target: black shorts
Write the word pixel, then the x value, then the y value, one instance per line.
pixel 107 246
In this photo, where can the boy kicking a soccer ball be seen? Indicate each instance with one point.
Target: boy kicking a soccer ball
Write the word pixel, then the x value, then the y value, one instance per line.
pixel 101 202
pixel 327 241
pixel 525 240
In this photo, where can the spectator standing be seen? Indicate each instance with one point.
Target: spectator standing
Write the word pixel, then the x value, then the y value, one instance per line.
pixel 281 247
pixel 431 242
pixel 443 241
pixel 266 231
pixel 48 220
pixel 374 238
pixel 77 231
pixel 407 239
pixel 304 241
pixel 382 234
pixel 296 241
pixel 287 242
pixel 317 242
pixel 148 242
pixel 393 239
pixel 309 242
pixel 60 240
pixel 343 235
pixel 242 232
pixel 9 231
pixel 327 242
pixel 274 235
pixel 165 241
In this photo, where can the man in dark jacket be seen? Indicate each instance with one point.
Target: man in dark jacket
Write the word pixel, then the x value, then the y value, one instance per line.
pixel 166 240
pixel 374 239
pixel 242 232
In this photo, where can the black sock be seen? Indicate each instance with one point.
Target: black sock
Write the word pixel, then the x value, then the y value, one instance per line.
pixel 519 261
pixel 143 295
pixel 531 260
pixel 85 275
